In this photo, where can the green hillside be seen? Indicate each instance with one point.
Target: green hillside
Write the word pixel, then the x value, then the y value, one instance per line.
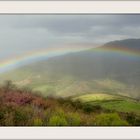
pixel 111 102
pixel 23 107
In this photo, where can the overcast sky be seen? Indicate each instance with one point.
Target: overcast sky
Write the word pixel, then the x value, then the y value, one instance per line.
pixel 22 33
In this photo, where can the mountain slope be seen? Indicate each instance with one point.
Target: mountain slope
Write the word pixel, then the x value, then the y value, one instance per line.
pixel 85 72
pixel 21 107
pixel 133 44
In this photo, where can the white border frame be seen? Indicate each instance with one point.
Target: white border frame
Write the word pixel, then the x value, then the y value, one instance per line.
pixel 69 7
pixel 63 133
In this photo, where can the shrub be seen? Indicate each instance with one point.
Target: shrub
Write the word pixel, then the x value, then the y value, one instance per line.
pixel 8 119
pixel 26 89
pixel 37 122
pixel 8 85
pixel 47 115
pixel 133 119
pixel 73 119
pixel 21 117
pixel 6 115
pixel 76 104
pixel 1 114
pixel 57 121
pixel 39 102
pixel 110 119
pixel 59 112
pixel 87 108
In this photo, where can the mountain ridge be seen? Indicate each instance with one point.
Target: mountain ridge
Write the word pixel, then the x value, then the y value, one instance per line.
pixel 126 43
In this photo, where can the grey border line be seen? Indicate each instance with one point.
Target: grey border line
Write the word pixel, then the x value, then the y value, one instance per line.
pixel 67 0
pixel 70 139
pixel 69 13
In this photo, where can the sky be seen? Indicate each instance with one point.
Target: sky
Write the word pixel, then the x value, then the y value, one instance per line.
pixel 21 34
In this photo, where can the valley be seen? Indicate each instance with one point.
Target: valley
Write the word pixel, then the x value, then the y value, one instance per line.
pixel 98 80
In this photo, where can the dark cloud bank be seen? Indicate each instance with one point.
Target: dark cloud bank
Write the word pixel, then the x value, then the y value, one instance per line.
pixel 22 33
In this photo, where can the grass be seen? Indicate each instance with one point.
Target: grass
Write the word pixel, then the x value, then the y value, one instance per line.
pixel 123 106
pixel 111 102
pixel 97 97
pixel 45 90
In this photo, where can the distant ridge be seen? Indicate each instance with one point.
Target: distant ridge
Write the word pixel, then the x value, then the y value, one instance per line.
pixel 133 44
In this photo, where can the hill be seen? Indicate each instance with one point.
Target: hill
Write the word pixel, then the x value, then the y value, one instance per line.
pixel 90 71
pixel 23 107
pixel 111 102
pixel 132 44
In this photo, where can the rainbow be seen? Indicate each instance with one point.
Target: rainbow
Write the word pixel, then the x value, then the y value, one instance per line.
pixel 119 50
pixel 37 55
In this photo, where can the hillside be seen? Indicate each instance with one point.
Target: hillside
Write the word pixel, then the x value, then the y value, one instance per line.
pixel 132 44
pixel 111 102
pixel 23 107
pixel 89 71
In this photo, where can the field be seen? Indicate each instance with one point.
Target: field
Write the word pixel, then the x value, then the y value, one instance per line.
pixel 111 102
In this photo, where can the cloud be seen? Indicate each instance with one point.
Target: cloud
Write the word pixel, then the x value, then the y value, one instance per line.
pixel 22 33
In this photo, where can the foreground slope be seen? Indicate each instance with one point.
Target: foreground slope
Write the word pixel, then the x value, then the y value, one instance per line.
pixel 22 107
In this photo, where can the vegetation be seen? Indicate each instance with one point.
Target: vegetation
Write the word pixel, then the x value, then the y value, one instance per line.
pixel 57 121
pixel 111 102
pixel 23 107
pixel 110 119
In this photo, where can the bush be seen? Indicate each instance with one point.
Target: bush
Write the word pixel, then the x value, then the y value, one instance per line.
pixel 133 119
pixel 110 119
pixel 1 114
pixel 59 112
pixel 8 119
pixel 73 119
pixel 57 121
pixel 8 85
pixel 88 108
pixel 21 117
pixel 39 102
pixel 37 122
pixel 47 115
